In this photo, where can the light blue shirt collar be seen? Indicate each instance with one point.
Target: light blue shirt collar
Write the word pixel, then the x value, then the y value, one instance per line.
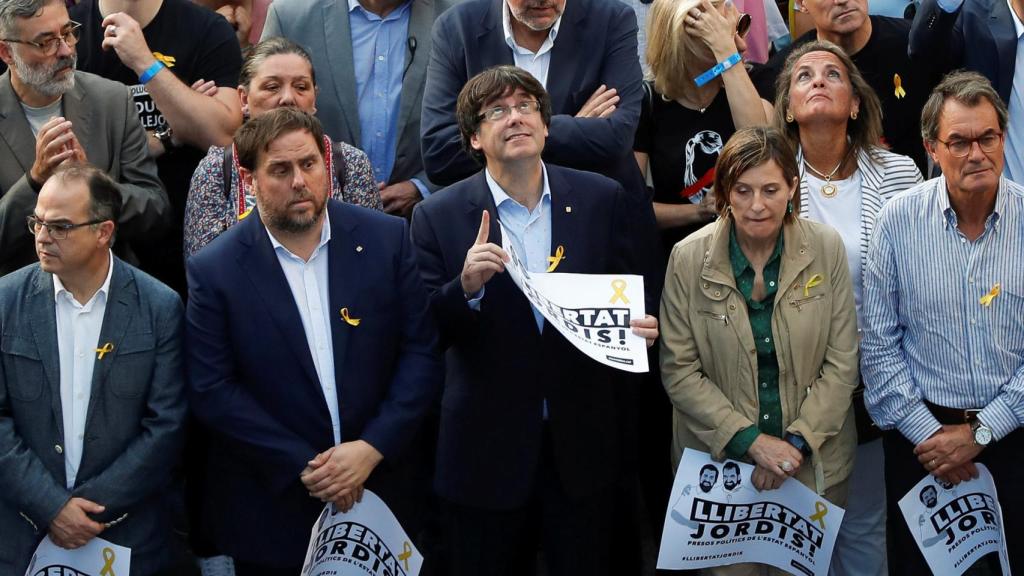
pixel 354 4
pixel 325 237
pixel 506 25
pixel 500 196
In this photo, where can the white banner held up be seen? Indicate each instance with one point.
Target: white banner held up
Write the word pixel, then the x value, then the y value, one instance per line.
pixel 954 526
pixel 365 541
pixel 97 558
pixel 592 311
pixel 717 517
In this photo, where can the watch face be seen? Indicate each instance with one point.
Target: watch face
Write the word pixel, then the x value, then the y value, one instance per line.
pixel 982 435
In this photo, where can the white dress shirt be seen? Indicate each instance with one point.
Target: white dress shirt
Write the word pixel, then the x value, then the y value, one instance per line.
pixel 308 283
pixel 78 334
pixel 536 63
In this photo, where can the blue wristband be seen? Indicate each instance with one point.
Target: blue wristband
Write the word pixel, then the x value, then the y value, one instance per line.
pixel 151 71
pixel 717 69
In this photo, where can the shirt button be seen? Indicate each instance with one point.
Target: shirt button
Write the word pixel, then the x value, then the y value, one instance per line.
pixel 81 436
pixel 973 321
pixel 767 339
pixel 765 416
pixel 58 449
pixel 380 58
pixel 81 354
pixel 764 384
pixel 772 283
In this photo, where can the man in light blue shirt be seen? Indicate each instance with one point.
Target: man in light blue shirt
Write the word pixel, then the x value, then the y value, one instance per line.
pixel 943 346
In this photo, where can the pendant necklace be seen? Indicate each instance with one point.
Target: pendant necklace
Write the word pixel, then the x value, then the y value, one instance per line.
pixel 829 190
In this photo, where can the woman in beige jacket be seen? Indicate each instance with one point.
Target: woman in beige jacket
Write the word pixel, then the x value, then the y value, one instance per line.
pixel 759 338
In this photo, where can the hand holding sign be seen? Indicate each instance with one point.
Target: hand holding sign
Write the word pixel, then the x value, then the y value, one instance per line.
pixel 483 260
pixel 646 328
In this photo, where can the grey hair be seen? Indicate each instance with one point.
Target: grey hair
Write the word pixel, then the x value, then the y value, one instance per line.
pixel 12 10
pixel 967 88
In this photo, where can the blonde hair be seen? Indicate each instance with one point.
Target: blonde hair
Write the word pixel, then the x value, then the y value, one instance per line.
pixel 670 49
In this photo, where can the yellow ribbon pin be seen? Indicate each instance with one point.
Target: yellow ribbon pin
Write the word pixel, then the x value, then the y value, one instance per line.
pixel 987 299
pixel 898 82
pixel 814 281
pixel 405 555
pixel 553 261
pixel 108 562
pixel 100 352
pixel 620 292
pixel 167 60
pixel 820 510
pixel 348 319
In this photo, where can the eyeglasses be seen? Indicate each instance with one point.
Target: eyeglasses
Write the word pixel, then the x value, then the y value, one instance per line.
pixel 525 108
pixel 70 36
pixel 57 230
pixel 962 147
pixel 743 25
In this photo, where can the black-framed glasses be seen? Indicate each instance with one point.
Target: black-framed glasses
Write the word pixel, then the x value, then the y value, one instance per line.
pixel 57 230
pixel 743 25
pixel 70 36
pixel 525 108
pixel 961 147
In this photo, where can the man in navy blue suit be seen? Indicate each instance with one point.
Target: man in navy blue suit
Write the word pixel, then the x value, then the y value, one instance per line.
pixel 531 430
pixel 311 354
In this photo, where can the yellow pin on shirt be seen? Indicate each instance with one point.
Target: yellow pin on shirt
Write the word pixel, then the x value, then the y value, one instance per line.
pixel 101 352
pixel 553 261
pixel 348 319
pixel 987 299
pixel 814 281
pixel 898 83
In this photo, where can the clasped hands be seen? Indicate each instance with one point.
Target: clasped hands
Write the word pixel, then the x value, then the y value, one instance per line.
pixel 949 454
pixel 775 459
pixel 337 475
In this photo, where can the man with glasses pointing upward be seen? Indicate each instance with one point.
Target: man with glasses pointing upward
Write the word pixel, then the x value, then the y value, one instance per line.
pixel 50 114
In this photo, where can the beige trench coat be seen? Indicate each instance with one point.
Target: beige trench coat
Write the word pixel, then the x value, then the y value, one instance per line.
pixel 709 362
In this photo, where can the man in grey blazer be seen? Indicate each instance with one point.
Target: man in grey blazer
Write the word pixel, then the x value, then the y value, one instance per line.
pixel 49 113
pixel 91 385
pixel 373 54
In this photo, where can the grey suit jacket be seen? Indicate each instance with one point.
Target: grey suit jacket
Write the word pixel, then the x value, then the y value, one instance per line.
pixel 133 430
pixel 322 28
pixel 103 118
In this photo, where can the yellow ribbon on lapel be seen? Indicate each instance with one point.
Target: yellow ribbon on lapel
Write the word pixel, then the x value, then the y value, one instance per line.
pixel 814 281
pixel 553 261
pixel 898 82
pixel 987 299
pixel 101 352
pixel 348 319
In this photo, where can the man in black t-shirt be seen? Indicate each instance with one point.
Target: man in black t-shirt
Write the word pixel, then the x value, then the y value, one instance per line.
pixel 878 46
pixel 162 49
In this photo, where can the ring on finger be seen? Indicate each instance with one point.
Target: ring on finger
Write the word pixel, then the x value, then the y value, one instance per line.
pixel 786 466
pixel 931 463
pixel 112 30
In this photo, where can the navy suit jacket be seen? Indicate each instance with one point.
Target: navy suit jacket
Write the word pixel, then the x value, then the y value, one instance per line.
pixel 499 368
pixel 596 45
pixel 252 381
pixel 133 427
pixel 980 37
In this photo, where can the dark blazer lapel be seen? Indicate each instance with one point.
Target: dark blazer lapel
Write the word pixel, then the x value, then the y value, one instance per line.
pixel 80 114
pixel 1004 35
pixel 338 46
pixel 565 213
pixel 43 317
pixel 421 19
pixel 346 257
pixel 565 54
pixel 122 306
pixel 14 128
pixel 491 37
pixel 259 261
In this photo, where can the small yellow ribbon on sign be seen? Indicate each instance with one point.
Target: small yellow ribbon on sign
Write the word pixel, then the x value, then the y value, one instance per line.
pixel 108 562
pixel 167 60
pixel 898 82
pixel 348 319
pixel 101 352
pixel 987 299
pixel 620 292
pixel 820 510
pixel 405 555
pixel 553 261
pixel 814 281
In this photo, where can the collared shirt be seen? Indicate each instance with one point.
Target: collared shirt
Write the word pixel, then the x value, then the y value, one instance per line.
pixel 760 314
pixel 379 47
pixel 536 63
pixel 78 334
pixel 928 334
pixel 308 281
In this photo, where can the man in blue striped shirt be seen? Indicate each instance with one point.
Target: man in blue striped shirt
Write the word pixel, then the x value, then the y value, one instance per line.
pixel 943 346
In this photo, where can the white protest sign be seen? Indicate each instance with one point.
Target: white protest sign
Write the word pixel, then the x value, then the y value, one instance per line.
pixel 717 517
pixel 365 541
pixel 954 526
pixel 97 558
pixel 592 311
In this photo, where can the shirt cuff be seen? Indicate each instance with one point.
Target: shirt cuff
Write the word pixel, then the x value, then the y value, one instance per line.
pixel 741 442
pixel 474 302
pixel 424 191
pixel 919 425
pixel 999 416
pixel 950 6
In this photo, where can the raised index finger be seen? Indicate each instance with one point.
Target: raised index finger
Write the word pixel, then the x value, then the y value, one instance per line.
pixel 485 228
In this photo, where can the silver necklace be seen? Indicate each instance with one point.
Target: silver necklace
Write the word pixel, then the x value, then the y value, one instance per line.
pixel 829 190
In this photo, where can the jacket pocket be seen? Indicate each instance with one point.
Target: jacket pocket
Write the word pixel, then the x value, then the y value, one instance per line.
pixel 133 365
pixel 23 368
pixel 805 301
pixel 723 318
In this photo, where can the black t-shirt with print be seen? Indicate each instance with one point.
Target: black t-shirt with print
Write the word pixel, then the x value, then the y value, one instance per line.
pixel 193 42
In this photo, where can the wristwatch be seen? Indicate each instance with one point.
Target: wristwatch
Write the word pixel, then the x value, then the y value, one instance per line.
pixel 165 138
pixel 982 433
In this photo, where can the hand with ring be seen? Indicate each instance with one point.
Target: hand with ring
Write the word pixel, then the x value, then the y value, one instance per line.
pixel 786 466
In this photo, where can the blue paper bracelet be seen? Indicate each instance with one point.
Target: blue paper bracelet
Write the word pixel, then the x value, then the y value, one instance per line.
pixel 151 71
pixel 717 69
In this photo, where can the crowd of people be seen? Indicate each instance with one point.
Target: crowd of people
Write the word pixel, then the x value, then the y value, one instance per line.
pixel 251 264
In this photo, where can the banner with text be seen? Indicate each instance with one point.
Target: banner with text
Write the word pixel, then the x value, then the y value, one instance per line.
pixel 717 517
pixel 97 558
pixel 955 525
pixel 365 541
pixel 592 311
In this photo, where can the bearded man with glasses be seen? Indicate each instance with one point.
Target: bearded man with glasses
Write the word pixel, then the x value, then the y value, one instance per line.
pixel 51 114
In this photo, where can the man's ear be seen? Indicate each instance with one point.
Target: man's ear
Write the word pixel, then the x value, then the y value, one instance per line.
pixel 6 55
pixel 930 148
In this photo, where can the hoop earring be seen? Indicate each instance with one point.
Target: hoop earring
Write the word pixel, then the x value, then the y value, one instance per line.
pixel 789 117
pixel 853 115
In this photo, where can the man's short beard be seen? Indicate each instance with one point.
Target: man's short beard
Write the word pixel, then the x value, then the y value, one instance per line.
pixel 42 78
pixel 285 223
